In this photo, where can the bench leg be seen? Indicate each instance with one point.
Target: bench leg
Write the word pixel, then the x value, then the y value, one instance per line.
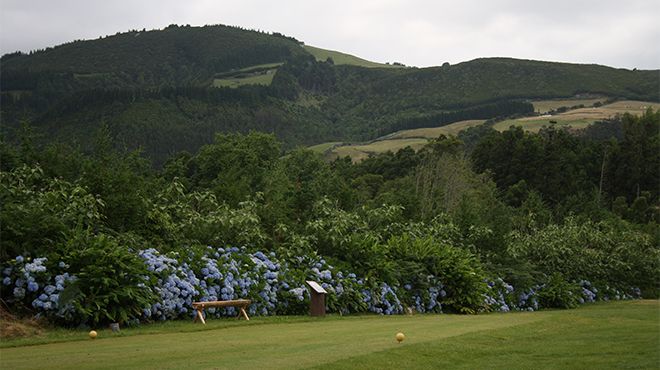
pixel 199 316
pixel 244 314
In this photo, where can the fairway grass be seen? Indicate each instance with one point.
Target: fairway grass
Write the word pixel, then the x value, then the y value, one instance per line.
pixel 606 335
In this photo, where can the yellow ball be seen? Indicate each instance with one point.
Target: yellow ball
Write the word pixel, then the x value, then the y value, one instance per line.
pixel 93 334
pixel 400 337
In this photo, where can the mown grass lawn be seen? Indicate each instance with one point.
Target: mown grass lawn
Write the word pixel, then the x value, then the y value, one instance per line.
pixel 606 335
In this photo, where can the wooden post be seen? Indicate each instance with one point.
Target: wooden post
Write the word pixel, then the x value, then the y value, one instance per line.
pixel 317 299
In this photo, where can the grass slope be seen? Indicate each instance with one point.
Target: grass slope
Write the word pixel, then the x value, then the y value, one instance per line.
pixel 621 334
pixel 343 58
pixel 544 106
pixel 433 132
pixel 579 118
pixel 415 138
pixel 359 152
pixel 261 78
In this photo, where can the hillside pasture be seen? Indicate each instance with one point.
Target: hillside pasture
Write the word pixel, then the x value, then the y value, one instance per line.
pixel 339 58
pixel 257 79
pixel 578 118
pixel 604 335
pixel 544 106
pixel 362 151
pixel 324 147
pixel 415 138
pixel 261 74
pixel 433 132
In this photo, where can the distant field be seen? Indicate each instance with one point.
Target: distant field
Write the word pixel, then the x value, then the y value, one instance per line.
pixel 433 132
pixel 595 336
pixel 342 58
pixel 265 78
pixel 322 148
pixel 261 74
pixel 360 152
pixel 579 118
pixel 544 106
pixel 417 138
pixel 253 68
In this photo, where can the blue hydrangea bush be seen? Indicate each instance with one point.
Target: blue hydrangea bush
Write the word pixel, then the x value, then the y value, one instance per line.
pixel 275 286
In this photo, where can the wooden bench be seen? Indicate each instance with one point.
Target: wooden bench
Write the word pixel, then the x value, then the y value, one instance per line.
pixel 240 303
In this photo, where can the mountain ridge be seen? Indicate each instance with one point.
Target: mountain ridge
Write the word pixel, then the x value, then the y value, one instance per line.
pixel 155 90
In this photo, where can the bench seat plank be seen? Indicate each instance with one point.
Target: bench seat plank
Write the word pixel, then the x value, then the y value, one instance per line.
pixel 240 303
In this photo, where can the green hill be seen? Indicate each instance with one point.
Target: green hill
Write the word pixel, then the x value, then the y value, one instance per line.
pixel 170 90
pixel 338 58
pixel 175 56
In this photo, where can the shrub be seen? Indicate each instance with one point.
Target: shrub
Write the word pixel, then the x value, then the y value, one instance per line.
pixel 605 252
pixel 459 271
pixel 37 211
pixel 559 293
pixel 111 284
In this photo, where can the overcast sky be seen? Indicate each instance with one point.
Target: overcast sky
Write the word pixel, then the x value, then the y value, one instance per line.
pixel 623 33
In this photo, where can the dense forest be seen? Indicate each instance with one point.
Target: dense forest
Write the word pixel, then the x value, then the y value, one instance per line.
pixel 518 221
pixel 154 91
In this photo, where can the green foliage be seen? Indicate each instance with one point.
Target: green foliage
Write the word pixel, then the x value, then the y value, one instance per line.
pixel 347 236
pixel 178 217
pixel 573 172
pixel 37 211
pixel 559 293
pixel 458 269
pixel 112 280
pixel 234 166
pixel 120 179
pixel 604 251
pixel 635 161
pixel 421 222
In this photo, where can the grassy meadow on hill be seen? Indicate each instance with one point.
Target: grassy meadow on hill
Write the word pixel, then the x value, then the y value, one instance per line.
pixel 579 118
pixel 416 138
pixel 339 58
pixel 544 106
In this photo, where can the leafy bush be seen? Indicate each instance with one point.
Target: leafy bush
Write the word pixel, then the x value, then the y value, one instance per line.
pixel 604 251
pixel 180 217
pixel 111 281
pixel 37 211
pixel 457 268
pixel 559 293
